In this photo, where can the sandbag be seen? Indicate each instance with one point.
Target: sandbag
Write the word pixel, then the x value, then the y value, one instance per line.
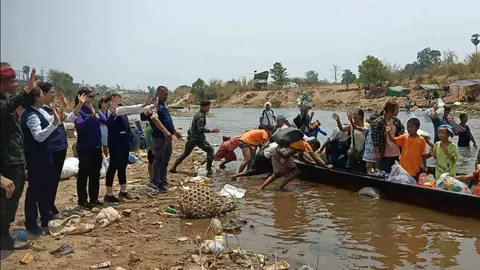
pixel 70 168
pixel 399 175
pixel 287 136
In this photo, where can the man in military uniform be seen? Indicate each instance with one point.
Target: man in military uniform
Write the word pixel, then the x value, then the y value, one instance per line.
pixel 11 153
pixel 196 137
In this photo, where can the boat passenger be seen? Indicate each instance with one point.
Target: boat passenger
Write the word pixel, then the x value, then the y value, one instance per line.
pixel 356 127
pixel 303 121
pixel 282 123
pixel 414 148
pixel 369 149
pixel 336 148
pixel 445 152
pixel 441 120
pixel 464 137
pixel 284 164
pixel 249 142
pixel 386 151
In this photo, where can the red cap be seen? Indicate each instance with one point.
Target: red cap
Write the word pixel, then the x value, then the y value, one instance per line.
pixel 7 73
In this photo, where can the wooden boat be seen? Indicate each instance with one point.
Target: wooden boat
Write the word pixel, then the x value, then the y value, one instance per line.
pixel 441 200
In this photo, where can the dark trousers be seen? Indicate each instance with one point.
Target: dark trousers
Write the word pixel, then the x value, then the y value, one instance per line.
pixel 90 164
pixel 190 145
pixel 58 161
pixel 118 163
pixel 38 197
pixel 161 158
pixel 386 163
pixel 8 207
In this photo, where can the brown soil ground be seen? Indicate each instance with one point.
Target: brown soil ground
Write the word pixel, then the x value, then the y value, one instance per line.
pixel 148 231
pixel 332 97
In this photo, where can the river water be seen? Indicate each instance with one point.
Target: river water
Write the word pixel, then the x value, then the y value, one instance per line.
pixel 309 223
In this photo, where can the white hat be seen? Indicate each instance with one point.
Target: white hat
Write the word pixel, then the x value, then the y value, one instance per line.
pixel 268 104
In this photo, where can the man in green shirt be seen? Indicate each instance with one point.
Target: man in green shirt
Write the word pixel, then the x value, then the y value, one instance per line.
pixel 148 138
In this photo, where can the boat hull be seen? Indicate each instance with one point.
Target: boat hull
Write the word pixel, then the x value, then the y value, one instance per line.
pixel 440 200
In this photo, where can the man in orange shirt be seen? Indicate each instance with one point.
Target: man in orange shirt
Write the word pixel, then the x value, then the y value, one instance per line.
pixel 414 149
pixel 249 142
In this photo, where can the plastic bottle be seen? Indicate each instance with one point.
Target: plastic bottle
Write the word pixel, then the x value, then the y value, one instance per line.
pixel 171 210
pixel 217 227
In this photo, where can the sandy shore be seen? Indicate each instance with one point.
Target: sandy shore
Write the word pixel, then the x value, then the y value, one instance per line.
pixel 148 232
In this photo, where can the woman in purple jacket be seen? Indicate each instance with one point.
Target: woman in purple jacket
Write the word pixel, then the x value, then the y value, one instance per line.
pixel 89 147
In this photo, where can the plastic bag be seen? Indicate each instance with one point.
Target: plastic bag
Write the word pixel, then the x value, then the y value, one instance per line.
pixel 446 182
pixel 427 180
pixel 426 115
pixel 399 175
pixel 70 167
pixel 229 190
pixel 378 173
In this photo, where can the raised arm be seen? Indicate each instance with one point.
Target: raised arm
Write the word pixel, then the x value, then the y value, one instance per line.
pixel 342 128
pixel 35 126
pixel 10 104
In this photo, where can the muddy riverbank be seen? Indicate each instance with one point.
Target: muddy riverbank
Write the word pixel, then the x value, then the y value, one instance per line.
pixel 304 224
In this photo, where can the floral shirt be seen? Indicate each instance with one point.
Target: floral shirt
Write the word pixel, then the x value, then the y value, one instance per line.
pixel 379 132
pixel 230 145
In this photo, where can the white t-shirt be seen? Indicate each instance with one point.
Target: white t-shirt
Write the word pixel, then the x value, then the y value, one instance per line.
pixel 359 138
pixel 268 118
pixel 268 152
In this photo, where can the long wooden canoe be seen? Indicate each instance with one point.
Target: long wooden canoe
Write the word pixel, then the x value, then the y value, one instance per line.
pixel 440 200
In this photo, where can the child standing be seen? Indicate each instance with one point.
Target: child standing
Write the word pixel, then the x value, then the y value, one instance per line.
pixel 445 152
pixel 369 149
pixel 148 138
pixel 414 148
pixel 465 135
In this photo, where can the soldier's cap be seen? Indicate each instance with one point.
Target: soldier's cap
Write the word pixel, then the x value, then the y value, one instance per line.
pixel 205 103
pixel 7 73
pixel 85 90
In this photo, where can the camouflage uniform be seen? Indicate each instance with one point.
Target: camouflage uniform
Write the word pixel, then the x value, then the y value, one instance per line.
pixel 196 137
pixel 12 158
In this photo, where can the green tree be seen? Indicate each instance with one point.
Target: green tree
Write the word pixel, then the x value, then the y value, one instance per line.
pixel 151 90
pixel 297 80
pixel 199 87
pixel 101 89
pixel 5 64
pixel 475 40
pixel 348 77
pixel 63 81
pixel 26 72
pixel 412 70
pixel 311 77
pixel 278 74
pixel 428 59
pixel 372 72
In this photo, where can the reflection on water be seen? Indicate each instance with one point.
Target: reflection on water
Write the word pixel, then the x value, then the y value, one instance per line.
pixel 309 222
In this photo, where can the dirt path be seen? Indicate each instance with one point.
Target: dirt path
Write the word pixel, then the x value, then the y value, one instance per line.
pixel 148 232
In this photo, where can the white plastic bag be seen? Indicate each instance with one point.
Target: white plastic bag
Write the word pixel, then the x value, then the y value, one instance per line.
pixel 70 168
pixel 103 170
pixel 399 175
pixel 426 115
pixel 229 190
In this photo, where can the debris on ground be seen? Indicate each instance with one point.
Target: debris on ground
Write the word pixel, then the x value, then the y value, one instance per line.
pixel 134 258
pixel 127 212
pixel 58 228
pixel 204 202
pixel 279 265
pixel 27 258
pixel 106 264
pixel 62 251
pixel 107 216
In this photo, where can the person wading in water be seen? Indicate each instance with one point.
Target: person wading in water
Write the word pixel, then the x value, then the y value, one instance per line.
pixel 196 137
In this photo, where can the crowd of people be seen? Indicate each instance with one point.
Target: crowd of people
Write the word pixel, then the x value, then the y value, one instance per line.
pixel 34 146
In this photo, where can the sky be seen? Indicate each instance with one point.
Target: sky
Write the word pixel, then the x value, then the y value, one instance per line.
pixel 155 42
